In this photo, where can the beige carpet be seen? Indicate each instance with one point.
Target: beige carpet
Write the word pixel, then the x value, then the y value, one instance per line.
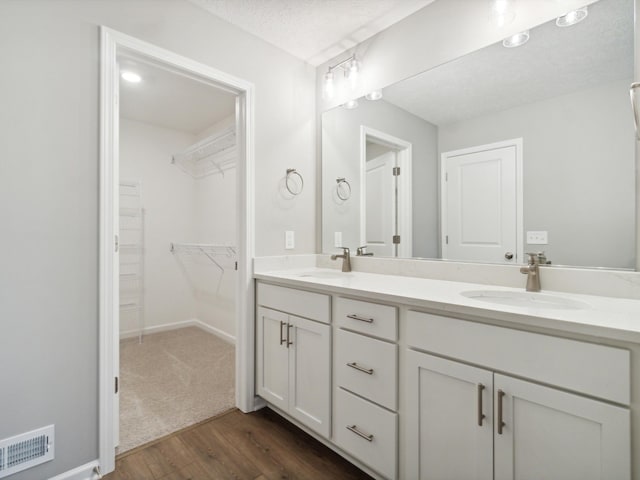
pixel 172 380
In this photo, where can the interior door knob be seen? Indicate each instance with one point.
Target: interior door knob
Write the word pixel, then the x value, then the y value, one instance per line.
pixel 508 256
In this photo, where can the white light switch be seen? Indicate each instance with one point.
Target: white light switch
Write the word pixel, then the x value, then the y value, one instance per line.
pixel 289 239
pixel 337 239
pixel 537 237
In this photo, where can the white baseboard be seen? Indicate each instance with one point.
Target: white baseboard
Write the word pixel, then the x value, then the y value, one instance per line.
pixel 83 472
pixel 193 322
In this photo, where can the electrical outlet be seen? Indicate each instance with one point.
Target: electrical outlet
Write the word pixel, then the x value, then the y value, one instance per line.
pixel 537 237
pixel 289 239
pixel 337 239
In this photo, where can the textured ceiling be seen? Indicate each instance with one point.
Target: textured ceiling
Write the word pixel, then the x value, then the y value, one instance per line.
pixel 171 100
pixel 313 30
pixel 555 61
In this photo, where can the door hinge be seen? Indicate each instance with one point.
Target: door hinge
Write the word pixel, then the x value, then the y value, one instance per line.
pixel 116 243
pixel 117 386
pixel 446 239
pixel 236 266
pixel 396 171
pixel 396 239
pixel 446 177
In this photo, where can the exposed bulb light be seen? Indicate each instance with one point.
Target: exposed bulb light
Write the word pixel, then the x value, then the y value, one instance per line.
pixel 572 17
pixel 351 104
pixel 503 12
pixel 352 72
pixel 374 95
pixel 329 87
pixel 131 77
pixel 516 40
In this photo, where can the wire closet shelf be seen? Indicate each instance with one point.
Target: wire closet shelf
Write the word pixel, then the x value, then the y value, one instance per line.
pixel 214 154
pixel 222 256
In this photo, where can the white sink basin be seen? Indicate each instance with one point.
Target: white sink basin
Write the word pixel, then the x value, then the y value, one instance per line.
pixel 533 300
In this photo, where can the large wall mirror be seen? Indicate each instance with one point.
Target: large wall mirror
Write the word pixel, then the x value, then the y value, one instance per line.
pixel 497 153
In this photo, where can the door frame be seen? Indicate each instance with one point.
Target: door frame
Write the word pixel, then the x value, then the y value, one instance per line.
pixel 405 203
pixel 114 44
pixel 514 142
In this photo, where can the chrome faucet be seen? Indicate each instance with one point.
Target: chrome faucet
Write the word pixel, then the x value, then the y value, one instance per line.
pixel 346 259
pixel 532 270
pixel 360 252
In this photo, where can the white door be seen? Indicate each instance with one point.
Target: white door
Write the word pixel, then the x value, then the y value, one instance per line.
pixel 309 374
pixel 272 357
pixel 380 205
pixel 450 420
pixel 552 434
pixel 481 203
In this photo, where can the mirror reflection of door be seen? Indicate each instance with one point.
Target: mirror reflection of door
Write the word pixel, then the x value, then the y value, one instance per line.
pixel 381 201
pixel 482 203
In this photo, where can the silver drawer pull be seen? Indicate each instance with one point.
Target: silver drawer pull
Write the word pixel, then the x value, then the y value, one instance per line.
pixel 361 319
pixel 354 429
pixel 368 371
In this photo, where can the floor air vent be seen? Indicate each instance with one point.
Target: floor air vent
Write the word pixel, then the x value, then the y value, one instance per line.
pixel 26 450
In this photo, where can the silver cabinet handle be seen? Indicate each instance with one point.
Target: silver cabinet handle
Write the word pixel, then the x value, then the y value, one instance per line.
pixel 282 339
pixel 360 319
pixel 354 429
pixel 634 107
pixel 368 371
pixel 289 342
pixel 481 415
pixel 500 422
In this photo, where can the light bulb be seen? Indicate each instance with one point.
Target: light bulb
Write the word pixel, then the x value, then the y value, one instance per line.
pixel 329 88
pixel 503 12
pixel 131 77
pixel 572 17
pixel 352 72
pixel 516 40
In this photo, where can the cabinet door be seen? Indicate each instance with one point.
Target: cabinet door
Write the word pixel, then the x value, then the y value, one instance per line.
pixel 309 374
pixel 272 357
pixel 449 422
pixel 550 434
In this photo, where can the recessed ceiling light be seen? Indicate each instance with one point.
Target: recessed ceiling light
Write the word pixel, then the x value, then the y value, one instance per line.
pixel 351 104
pixel 131 76
pixel 374 95
pixel 572 17
pixel 516 40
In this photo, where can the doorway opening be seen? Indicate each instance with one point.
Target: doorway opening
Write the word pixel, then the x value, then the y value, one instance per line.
pixel 176 242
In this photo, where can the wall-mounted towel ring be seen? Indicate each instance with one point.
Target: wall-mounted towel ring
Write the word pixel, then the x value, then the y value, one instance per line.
pixel 290 181
pixel 343 189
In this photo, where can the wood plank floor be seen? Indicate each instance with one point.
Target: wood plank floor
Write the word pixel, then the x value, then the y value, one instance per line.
pixel 260 445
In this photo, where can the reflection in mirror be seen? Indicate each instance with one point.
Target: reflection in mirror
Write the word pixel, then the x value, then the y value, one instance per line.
pixel 506 151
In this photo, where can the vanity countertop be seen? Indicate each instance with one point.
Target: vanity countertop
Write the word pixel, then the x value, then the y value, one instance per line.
pixel 606 317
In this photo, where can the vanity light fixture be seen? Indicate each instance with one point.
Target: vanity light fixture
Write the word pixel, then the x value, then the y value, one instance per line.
pixel 374 95
pixel 573 17
pixel 503 12
pixel 351 104
pixel 130 76
pixel 351 69
pixel 516 40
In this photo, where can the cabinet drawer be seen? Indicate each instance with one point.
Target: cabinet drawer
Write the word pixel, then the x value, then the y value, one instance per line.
pixel 368 367
pixel 370 318
pixel 583 367
pixel 315 306
pixel 367 432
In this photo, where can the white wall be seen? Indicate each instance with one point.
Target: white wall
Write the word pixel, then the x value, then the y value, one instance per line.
pixel 49 124
pixel 577 182
pixel 341 158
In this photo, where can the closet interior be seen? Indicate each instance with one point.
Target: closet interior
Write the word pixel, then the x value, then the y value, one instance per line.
pixel 178 252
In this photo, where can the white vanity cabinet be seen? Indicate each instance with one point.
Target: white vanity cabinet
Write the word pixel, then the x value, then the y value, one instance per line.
pixel 463 421
pixel 293 354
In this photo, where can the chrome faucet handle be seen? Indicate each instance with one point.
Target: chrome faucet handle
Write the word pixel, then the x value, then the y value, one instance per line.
pixel 534 258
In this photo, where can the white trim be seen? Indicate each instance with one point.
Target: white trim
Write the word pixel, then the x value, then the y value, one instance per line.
pixel 405 202
pixel 518 144
pixel 193 322
pixel 114 43
pixel 83 472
